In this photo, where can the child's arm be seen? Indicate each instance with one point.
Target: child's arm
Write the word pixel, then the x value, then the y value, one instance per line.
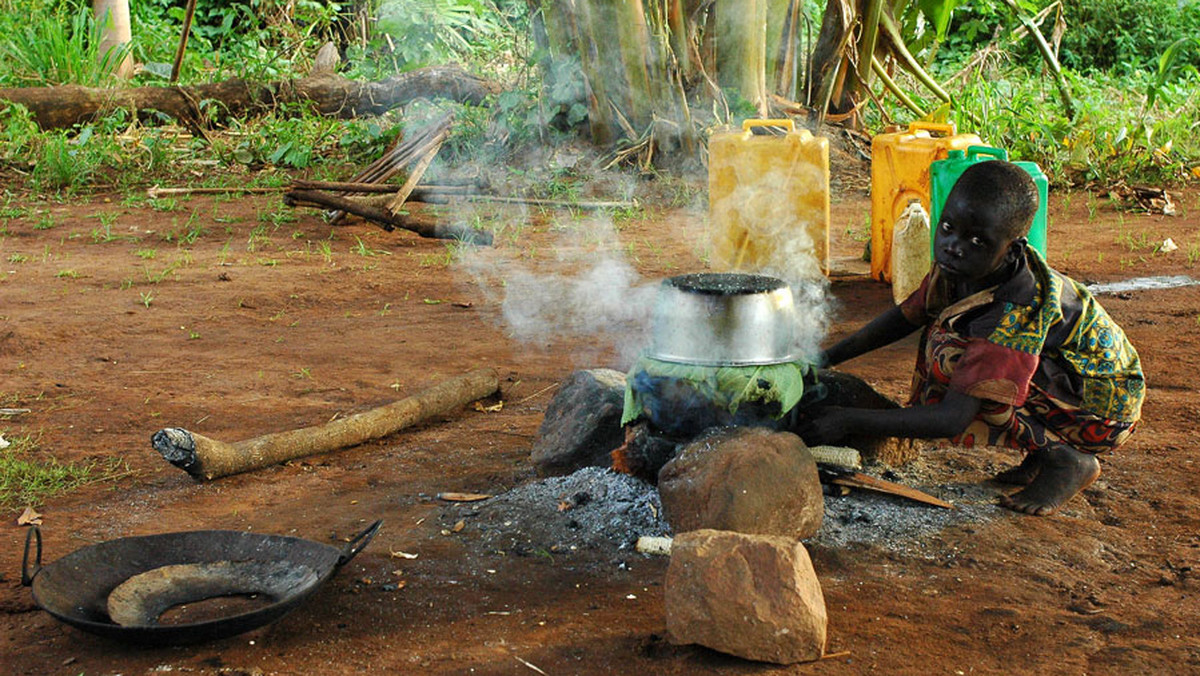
pixel 944 419
pixel 885 329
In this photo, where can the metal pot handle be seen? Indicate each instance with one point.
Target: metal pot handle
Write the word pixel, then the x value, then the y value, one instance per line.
pixel 357 543
pixel 26 576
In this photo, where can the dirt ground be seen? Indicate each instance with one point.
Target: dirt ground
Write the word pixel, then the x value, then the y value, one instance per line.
pixel 250 318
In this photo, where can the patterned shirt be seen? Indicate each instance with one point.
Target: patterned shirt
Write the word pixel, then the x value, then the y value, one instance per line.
pixel 1039 326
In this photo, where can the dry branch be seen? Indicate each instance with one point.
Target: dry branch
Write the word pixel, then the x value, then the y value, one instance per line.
pixel 384 218
pixel 63 106
pixel 205 458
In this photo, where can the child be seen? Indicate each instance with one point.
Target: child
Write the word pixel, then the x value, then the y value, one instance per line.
pixel 1013 353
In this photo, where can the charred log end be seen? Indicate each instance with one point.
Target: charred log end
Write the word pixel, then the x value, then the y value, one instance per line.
pixel 464 234
pixel 177 446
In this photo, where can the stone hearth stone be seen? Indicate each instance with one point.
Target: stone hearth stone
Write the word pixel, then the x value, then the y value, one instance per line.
pixel 744 479
pixel 753 596
pixel 582 423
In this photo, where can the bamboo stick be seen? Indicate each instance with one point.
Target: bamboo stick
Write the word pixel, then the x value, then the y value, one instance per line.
pixel 429 151
pixel 207 459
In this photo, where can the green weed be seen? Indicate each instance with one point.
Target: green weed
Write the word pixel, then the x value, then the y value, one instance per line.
pixel 146 254
pixel 45 222
pixel 67 274
pixel 147 298
pixel 17 258
pixel 30 477
pixel 362 249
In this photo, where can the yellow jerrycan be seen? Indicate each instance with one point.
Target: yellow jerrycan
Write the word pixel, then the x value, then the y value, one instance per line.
pixel 899 174
pixel 768 201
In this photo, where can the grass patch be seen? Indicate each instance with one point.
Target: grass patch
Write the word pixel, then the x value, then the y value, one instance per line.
pixel 28 477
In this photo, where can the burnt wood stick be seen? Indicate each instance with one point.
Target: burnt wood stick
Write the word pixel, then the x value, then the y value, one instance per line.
pixel 207 459
pixel 382 217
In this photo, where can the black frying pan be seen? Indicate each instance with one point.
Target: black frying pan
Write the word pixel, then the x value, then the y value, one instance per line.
pixel 280 570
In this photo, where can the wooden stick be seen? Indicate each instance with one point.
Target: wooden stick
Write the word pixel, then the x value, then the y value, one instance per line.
pixel 154 192
pixel 418 170
pixel 346 187
pixel 532 201
pixel 207 459
pixel 183 40
pixel 386 220
pixel 860 480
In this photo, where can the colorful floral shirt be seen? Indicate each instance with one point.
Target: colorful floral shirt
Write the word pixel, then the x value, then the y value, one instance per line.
pixel 1039 327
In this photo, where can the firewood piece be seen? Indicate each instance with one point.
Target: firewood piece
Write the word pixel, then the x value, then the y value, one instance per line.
pixel 387 220
pixel 868 482
pixel 398 157
pixel 429 152
pixel 66 105
pixel 207 459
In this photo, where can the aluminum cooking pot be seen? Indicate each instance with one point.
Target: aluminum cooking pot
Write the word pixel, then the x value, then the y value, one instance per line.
pixel 723 319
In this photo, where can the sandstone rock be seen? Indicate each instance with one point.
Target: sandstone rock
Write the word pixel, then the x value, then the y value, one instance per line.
pixel 753 596
pixel 582 423
pixel 744 479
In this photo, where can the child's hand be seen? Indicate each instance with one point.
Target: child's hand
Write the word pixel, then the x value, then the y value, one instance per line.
pixel 829 425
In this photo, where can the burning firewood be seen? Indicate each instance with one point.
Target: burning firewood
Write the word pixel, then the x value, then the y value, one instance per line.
pixel 206 458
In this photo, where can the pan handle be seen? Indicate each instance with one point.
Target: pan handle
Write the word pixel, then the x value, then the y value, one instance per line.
pixel 26 576
pixel 358 542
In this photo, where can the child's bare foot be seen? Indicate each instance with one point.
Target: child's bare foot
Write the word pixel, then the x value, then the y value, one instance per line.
pixel 1065 472
pixel 1024 473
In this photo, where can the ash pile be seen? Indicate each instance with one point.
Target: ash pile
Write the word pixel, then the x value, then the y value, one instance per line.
pixel 591 509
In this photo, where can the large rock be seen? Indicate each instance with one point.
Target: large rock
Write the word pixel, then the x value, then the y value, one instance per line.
pixel 744 479
pixel 753 596
pixel 582 424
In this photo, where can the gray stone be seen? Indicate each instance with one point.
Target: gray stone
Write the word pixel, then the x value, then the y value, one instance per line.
pixel 582 425
pixel 753 596
pixel 744 479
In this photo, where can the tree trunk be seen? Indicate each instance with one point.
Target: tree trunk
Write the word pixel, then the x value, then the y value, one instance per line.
pixel 740 35
pixel 112 19
pixel 829 54
pixel 61 107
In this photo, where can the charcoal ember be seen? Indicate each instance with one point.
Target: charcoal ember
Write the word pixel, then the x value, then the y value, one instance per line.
pixel 582 424
pixel 743 479
pixel 645 452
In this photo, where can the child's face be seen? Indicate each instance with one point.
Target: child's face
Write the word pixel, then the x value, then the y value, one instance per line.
pixel 965 244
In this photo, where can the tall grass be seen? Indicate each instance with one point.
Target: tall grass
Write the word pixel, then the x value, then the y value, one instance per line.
pixel 58 49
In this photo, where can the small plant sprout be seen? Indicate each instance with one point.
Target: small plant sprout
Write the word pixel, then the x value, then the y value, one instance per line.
pixel 45 222
pixel 303 374
pixel 193 335
pixel 67 274
pixel 146 254
pixel 147 298
pixel 17 258
pixel 363 250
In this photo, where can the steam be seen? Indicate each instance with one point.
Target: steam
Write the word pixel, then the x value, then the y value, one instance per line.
pixel 588 293
pixel 778 236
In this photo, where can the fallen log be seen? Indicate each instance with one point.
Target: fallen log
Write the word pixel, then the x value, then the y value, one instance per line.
pixel 63 106
pixel 387 220
pixel 207 459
